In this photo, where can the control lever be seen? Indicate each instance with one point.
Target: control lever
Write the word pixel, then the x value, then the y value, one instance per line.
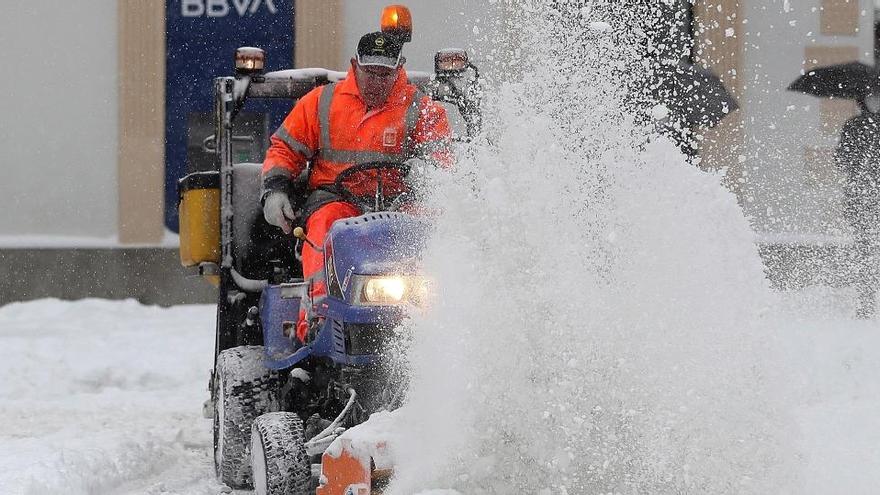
pixel 300 234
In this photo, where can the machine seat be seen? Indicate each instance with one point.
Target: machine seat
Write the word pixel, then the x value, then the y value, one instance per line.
pixel 256 244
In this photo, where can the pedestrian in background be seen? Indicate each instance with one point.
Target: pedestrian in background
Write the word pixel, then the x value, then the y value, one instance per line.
pixel 858 156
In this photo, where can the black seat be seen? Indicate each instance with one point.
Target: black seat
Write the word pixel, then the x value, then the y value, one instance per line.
pixel 256 243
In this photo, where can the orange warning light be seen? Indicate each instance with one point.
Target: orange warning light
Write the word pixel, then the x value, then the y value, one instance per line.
pixel 397 20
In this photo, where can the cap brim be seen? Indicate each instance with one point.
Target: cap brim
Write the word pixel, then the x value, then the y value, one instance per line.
pixel 379 61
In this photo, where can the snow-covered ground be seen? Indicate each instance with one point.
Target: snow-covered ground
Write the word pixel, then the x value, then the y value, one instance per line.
pixel 104 397
pixel 834 363
pixel 602 325
pixel 100 397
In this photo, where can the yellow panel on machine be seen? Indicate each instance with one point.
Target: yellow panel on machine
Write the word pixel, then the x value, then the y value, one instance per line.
pixel 199 211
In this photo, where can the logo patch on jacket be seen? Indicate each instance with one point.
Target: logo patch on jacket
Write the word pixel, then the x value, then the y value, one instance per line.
pixel 389 138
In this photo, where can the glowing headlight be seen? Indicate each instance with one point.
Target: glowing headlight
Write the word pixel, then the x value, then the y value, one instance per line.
pixel 385 290
pixel 392 290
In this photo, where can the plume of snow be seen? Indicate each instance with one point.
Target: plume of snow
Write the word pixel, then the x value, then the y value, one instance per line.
pixel 598 325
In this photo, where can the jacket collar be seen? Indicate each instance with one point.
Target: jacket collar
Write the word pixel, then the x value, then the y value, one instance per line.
pixel 398 91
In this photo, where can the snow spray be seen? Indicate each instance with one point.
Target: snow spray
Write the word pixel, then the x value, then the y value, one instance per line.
pixel 598 318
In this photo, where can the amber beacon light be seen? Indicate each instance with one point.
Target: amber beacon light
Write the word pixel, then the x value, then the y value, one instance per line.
pixel 397 20
pixel 451 61
pixel 249 60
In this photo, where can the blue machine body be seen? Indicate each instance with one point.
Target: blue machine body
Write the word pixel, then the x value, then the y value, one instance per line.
pixel 381 243
pixel 279 309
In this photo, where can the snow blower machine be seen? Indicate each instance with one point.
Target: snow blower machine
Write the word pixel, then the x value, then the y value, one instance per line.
pixel 283 410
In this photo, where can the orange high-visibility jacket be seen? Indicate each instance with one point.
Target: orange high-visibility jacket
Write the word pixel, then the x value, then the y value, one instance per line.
pixel 331 127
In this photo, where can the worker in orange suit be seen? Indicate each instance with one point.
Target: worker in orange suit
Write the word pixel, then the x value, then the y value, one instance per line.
pixel 374 115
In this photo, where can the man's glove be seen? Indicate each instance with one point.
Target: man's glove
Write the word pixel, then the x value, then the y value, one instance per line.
pixel 278 211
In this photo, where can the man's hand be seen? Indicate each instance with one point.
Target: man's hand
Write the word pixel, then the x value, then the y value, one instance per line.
pixel 278 211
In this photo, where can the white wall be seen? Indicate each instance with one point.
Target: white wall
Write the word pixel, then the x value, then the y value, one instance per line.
pixel 780 193
pixel 58 119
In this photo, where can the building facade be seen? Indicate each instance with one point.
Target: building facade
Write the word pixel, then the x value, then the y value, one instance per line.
pixel 85 112
pixel 85 105
pixel 778 148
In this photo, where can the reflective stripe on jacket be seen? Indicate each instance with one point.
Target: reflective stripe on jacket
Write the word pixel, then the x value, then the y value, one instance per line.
pixel 331 127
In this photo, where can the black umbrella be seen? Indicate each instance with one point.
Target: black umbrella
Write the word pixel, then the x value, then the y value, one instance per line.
pixel 694 95
pixel 853 80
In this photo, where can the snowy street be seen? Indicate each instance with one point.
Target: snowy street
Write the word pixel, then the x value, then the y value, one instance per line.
pixel 104 397
pixel 516 247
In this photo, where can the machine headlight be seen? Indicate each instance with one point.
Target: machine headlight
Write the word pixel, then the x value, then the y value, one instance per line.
pixel 385 290
pixel 391 290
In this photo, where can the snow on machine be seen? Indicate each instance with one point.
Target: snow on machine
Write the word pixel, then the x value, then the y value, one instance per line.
pixel 284 411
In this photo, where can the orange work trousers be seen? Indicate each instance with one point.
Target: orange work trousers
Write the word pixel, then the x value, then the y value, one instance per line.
pixel 317 226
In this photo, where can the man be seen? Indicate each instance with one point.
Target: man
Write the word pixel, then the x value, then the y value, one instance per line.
pixel 373 115
pixel 858 155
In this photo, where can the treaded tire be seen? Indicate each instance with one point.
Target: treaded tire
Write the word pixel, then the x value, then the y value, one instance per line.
pixel 243 390
pixel 278 454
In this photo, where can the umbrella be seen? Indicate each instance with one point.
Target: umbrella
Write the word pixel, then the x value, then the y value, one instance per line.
pixel 694 95
pixel 853 80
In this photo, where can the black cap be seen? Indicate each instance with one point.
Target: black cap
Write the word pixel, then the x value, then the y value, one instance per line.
pixel 379 49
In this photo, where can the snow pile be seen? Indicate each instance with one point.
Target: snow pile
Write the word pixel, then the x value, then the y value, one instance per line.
pixel 104 397
pixel 599 324
pixel 835 388
pixel 94 403
pixel 368 442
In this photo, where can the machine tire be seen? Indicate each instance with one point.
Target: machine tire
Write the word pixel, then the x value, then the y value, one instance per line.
pixel 243 390
pixel 278 455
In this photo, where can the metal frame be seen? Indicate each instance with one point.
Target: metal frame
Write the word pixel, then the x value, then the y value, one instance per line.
pixel 230 95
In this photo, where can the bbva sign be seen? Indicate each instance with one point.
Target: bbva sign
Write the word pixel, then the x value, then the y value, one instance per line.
pixel 222 8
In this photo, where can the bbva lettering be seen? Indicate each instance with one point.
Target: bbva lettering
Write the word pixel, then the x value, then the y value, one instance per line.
pixel 222 8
